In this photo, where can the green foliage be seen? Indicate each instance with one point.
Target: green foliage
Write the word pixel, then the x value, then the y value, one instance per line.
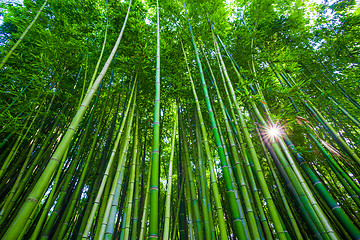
pixel 292 57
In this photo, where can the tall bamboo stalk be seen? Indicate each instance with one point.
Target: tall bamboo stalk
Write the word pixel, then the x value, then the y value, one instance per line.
pixel 154 185
pixel 166 231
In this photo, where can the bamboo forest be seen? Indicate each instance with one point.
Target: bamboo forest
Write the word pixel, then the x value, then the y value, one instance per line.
pixel 156 119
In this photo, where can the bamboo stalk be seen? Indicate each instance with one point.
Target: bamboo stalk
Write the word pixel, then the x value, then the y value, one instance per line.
pixel 166 231
pixel 155 163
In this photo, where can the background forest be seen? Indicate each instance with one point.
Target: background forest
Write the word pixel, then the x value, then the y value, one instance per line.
pixel 213 119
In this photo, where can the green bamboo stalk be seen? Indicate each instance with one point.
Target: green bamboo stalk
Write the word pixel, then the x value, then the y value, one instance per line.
pixel 190 186
pixel 134 224
pixel 124 217
pixel 24 230
pixel 154 188
pixel 146 206
pixel 192 231
pixel 6 140
pixel 5 208
pixel 181 208
pixel 292 219
pixel 166 231
pixel 132 182
pixel 209 229
pixel 90 203
pixel 229 158
pixel 177 211
pixel 109 223
pixel 100 212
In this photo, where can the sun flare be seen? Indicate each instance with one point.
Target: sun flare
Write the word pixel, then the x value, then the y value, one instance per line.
pixel 273 132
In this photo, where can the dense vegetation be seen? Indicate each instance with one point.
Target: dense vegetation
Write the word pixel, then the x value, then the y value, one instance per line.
pixel 179 120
